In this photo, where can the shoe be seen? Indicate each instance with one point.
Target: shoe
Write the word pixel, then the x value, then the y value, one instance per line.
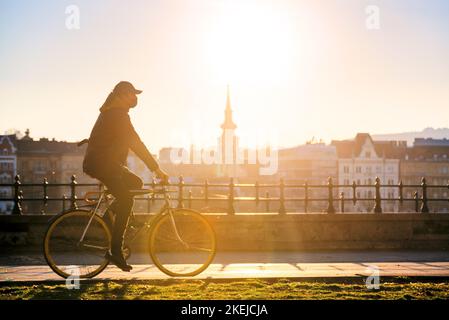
pixel 118 261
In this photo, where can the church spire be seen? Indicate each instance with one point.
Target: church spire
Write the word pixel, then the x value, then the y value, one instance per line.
pixel 228 123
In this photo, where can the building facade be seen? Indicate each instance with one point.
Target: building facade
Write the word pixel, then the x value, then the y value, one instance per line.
pixel 360 161
pixel 55 161
pixel 8 170
pixel 427 158
pixel 313 164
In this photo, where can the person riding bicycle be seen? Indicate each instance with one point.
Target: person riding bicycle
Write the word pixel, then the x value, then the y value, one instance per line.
pixel 110 140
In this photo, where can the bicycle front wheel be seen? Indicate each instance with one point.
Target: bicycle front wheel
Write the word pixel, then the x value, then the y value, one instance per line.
pixel 182 243
pixel 68 252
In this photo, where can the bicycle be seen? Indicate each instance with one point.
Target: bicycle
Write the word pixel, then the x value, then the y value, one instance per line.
pixel 78 239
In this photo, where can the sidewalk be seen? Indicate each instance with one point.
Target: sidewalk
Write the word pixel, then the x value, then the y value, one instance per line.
pixel 231 265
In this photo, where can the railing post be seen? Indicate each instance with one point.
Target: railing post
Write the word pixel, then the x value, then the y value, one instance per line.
pixel 73 197
pixel 206 192
pixel 150 195
pixel 231 209
pixel 281 197
pixel 424 207
pixel 330 205
pixel 267 201
pixel 401 197
pixel 306 196
pixel 17 196
pixel 256 186
pixel 354 193
pixel 45 185
pixel 190 199
pixel 416 198
pixel 64 199
pixel 153 197
pixel 149 203
pixel 342 200
pixel 181 192
pixel 448 187
pixel 377 206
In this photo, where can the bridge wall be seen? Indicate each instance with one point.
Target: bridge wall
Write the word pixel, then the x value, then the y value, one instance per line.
pixel 267 232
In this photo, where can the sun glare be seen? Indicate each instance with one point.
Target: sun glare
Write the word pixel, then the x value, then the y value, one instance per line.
pixel 249 44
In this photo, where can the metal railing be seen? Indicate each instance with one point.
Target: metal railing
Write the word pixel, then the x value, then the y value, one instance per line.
pixel 184 195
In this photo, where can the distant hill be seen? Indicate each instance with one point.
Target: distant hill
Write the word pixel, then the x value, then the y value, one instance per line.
pixel 438 133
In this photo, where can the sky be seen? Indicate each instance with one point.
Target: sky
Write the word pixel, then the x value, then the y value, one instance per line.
pixel 296 69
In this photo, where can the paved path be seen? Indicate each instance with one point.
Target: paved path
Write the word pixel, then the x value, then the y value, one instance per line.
pixel 261 265
pixel 249 270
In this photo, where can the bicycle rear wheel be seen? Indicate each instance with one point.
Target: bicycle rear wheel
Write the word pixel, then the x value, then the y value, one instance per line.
pixel 64 251
pixel 182 243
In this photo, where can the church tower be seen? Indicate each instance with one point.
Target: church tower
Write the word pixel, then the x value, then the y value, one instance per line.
pixel 228 141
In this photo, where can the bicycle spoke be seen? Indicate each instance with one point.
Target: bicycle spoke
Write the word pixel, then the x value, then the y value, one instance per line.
pixel 200 249
pixel 182 243
pixel 94 247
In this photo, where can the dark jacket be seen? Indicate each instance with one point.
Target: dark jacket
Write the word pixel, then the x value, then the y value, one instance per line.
pixel 111 138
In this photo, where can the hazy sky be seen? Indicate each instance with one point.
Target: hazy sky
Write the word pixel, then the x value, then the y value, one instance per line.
pixel 296 69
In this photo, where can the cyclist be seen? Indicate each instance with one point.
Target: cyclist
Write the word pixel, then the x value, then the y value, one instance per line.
pixel 110 140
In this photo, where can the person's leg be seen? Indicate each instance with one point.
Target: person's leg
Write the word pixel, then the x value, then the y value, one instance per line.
pixel 119 183
pixel 124 207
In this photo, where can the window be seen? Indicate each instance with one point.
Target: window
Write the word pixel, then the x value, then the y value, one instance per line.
pixel 346 169
pixel 367 154
pixel 7 166
pixel 40 165
pixel 358 169
pixel 368 169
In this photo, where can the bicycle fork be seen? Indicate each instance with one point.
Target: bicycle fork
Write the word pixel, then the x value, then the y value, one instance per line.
pixel 185 244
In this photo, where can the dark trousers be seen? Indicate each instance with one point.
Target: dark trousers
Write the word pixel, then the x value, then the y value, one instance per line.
pixel 119 182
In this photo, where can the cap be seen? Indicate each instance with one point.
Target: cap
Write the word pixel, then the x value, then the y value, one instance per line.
pixel 126 87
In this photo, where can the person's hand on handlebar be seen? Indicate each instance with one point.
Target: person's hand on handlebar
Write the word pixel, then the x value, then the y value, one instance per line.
pixel 161 174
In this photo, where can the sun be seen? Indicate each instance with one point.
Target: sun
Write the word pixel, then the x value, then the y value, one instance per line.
pixel 249 43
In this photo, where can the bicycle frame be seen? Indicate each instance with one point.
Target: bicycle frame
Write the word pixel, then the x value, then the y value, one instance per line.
pixel 165 209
